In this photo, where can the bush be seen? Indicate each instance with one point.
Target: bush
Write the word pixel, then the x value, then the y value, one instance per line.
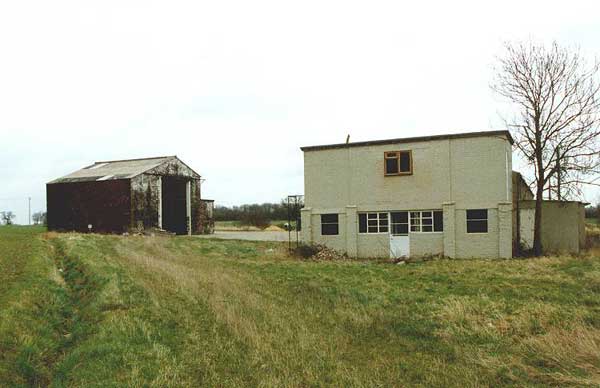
pixel 592 235
pixel 254 216
pixel 592 212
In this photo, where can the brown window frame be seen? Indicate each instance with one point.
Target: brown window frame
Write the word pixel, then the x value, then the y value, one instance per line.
pixel 385 158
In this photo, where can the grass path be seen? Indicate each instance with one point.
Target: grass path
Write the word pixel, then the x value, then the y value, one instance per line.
pixel 187 312
pixel 34 309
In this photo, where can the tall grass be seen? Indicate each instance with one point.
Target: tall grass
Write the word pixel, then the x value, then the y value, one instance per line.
pixel 192 312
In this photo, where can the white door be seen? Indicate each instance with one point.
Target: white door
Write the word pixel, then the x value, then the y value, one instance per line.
pixel 399 237
pixel 399 246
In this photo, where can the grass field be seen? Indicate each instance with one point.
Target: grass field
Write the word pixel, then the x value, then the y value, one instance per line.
pixel 90 310
pixel 593 221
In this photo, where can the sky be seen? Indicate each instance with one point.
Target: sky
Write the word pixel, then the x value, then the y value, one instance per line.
pixel 234 88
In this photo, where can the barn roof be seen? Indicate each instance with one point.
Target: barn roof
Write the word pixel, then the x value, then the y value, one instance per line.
pixel 114 169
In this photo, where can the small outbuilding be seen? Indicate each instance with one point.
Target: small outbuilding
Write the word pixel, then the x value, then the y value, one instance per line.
pixel 130 196
pixel 563 226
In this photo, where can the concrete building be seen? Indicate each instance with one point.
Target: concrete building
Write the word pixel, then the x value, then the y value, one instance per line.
pixel 450 195
pixel 130 195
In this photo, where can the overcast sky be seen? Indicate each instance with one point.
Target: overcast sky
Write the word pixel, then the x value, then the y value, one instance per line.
pixel 234 88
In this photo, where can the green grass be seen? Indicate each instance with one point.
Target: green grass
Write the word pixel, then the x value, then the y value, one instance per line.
pixel 228 224
pixel 141 311
pixel 34 308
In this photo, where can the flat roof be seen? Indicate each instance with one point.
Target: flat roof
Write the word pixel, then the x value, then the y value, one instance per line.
pixel 463 135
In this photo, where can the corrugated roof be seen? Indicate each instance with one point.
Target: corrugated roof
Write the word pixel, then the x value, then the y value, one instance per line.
pixel 410 140
pixel 113 169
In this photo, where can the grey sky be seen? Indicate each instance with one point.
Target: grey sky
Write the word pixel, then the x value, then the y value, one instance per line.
pixel 234 88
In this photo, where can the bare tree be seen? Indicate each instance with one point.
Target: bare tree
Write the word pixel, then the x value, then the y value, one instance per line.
pixel 39 218
pixel 556 128
pixel 7 217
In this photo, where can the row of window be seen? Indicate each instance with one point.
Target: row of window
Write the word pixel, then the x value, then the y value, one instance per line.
pixel 400 223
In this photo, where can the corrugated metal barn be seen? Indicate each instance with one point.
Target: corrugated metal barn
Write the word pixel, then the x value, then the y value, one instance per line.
pixel 130 196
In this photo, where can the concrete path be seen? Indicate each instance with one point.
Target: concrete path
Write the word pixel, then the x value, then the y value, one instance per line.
pixel 251 236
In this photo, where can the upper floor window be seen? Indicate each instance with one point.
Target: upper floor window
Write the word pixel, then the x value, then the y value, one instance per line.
pixel 329 224
pixel 477 221
pixel 398 162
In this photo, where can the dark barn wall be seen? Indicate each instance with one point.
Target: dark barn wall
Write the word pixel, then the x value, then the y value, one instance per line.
pixel 106 205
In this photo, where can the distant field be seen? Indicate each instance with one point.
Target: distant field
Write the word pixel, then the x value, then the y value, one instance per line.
pixel 237 225
pixel 91 310
pixel 594 221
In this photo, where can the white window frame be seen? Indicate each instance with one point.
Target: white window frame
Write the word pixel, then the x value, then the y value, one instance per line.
pixel 413 227
pixel 423 218
pixel 418 227
pixel 378 220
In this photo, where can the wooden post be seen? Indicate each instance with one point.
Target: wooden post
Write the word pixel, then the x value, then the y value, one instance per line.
pixel 188 206
pixel 159 202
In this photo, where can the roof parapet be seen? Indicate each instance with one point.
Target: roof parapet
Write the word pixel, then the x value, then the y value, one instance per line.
pixel 504 134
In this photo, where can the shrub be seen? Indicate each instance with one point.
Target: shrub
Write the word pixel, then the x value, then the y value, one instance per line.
pixel 592 235
pixel 254 216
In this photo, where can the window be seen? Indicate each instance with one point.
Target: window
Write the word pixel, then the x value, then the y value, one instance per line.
pixel 415 221
pixel 427 221
pixel 477 221
pixel 398 163
pixel 373 223
pixel 399 223
pixel 329 224
pixel 362 223
pixel 438 221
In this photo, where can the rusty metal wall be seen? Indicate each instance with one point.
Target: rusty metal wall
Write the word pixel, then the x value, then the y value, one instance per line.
pixel 106 205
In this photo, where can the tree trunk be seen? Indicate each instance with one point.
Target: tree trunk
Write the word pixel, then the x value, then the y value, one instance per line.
pixel 558 175
pixel 537 226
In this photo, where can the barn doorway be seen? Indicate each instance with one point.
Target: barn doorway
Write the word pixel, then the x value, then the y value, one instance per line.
pixel 174 204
